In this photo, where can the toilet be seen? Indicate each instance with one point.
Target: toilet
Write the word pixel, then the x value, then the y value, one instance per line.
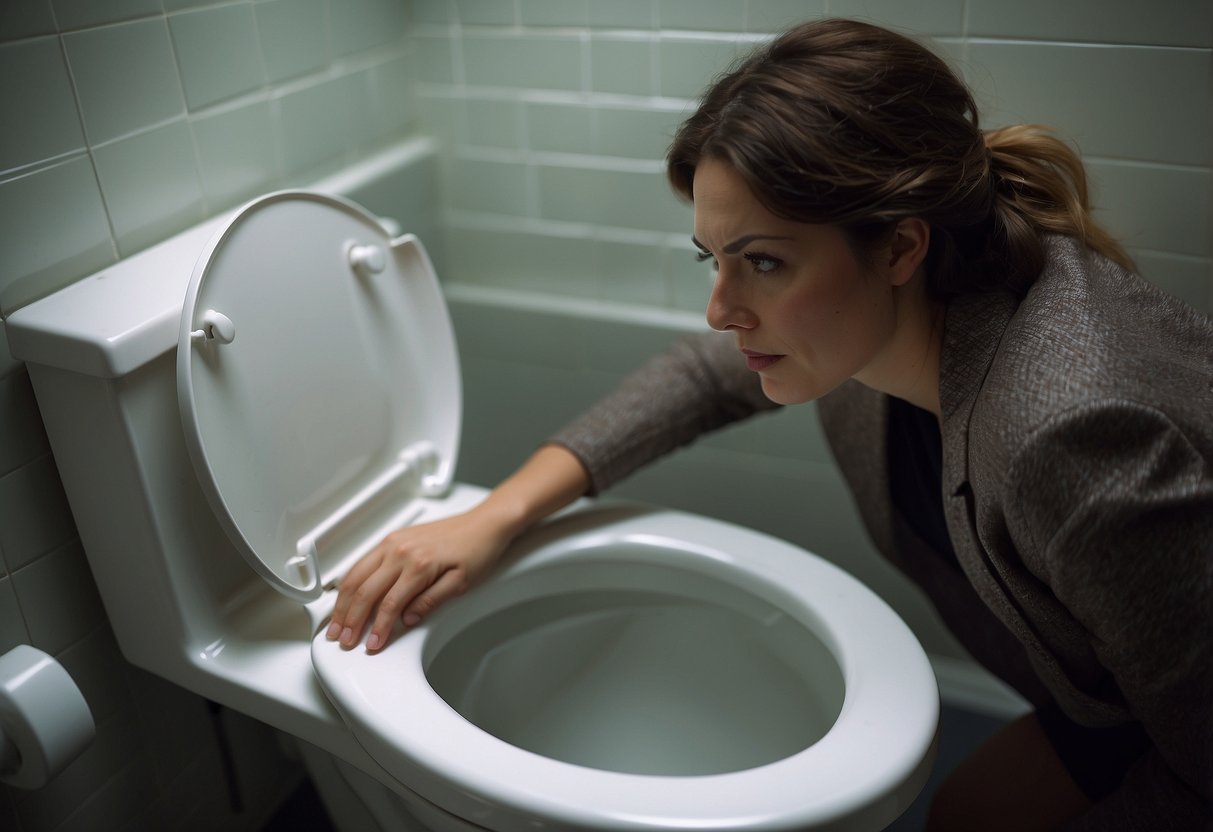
pixel 242 411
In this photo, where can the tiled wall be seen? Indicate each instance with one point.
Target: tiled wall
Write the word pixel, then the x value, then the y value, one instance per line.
pixel 557 116
pixel 123 122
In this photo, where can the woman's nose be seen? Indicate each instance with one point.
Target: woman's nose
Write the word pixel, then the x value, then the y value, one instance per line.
pixel 725 308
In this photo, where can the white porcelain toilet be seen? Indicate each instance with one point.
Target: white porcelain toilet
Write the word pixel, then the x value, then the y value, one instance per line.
pixel 242 411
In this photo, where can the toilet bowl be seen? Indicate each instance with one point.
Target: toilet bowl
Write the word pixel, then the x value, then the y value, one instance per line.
pixel 637 669
pixel 243 411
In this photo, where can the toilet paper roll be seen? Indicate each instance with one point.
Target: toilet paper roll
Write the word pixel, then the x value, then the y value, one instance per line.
pixel 44 721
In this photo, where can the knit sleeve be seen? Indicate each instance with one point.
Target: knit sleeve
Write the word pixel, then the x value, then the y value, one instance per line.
pixel 1112 507
pixel 698 385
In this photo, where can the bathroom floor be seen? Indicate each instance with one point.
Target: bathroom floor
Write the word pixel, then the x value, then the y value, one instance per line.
pixel 960 732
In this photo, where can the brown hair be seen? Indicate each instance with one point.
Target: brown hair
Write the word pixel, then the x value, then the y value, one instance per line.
pixel 842 122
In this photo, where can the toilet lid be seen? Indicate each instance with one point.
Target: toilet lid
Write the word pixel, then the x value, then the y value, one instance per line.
pixel 318 382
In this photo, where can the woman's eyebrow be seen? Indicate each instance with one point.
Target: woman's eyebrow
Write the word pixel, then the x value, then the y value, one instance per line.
pixel 741 242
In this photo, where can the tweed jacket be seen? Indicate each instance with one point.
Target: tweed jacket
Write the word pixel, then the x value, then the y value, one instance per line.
pixel 1077 429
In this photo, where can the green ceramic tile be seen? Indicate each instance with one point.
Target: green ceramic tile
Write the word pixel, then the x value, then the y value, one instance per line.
pixel 687 67
pixel 78 14
pixel 26 19
pixel 637 134
pixel 219 53
pixel 358 25
pixel 689 280
pixel 777 15
pixel 562 128
pixel 443 117
pixel 622 199
pixel 180 5
pixel 293 39
pixel 1188 278
pixel 53 231
pixel 1158 207
pixel 494 123
pixel 37 101
pixel 624 14
pixel 126 77
pixel 485 12
pixel 523 261
pixel 236 155
pixel 554 12
pixel 621 66
pixel 1109 21
pixel 315 125
pixel 434 59
pixel 394 97
pixel 629 273
pixel 939 17
pixel 433 11
pixel 490 187
pixel 150 182
pixel 20 423
pixel 1160 112
pixel 551 62
pixel 723 16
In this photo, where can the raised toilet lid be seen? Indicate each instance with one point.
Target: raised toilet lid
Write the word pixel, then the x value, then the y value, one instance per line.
pixel 318 382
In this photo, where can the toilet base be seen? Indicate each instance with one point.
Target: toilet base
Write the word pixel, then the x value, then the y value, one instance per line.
pixel 357 802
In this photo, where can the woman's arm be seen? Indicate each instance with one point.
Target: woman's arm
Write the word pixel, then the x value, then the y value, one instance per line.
pixel 416 568
pixel 699 384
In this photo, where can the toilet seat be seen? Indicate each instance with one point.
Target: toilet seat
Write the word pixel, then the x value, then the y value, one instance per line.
pixel 318 384
pixel 866 769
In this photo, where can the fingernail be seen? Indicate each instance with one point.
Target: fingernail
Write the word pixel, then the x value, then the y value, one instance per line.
pixel 347 637
pixel 372 643
pixel 411 619
pixel 333 631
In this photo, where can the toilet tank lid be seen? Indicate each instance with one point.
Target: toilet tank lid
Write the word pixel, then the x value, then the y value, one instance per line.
pixel 117 319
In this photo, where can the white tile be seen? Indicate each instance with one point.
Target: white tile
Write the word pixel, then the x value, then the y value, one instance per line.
pixel 34 515
pixel 58 599
pixel 1142 103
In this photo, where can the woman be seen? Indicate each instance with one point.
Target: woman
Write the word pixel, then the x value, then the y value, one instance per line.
pixel 1024 422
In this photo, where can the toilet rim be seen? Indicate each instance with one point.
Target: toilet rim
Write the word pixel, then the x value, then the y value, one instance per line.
pixel 880 742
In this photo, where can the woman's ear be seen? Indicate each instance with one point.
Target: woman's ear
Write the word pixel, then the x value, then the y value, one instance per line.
pixel 908 248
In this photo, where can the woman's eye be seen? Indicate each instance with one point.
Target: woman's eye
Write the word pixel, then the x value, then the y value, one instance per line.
pixel 762 263
pixel 706 255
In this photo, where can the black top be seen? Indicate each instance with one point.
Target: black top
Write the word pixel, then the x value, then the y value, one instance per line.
pixel 916 474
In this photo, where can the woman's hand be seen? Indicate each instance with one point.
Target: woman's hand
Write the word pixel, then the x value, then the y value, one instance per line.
pixel 412 572
pixel 417 568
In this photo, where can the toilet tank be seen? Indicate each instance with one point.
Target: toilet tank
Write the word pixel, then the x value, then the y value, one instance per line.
pixel 101 358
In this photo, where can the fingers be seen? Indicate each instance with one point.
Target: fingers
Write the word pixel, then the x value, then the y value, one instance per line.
pixel 449 584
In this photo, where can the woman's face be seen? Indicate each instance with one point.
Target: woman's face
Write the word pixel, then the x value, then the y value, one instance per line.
pixel 806 313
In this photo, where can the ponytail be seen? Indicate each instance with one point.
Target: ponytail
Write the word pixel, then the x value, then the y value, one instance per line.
pixel 1040 186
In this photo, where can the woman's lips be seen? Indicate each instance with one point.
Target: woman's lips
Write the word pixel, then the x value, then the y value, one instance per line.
pixel 759 361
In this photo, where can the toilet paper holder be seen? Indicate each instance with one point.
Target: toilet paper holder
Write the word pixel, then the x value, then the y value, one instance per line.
pixel 45 723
